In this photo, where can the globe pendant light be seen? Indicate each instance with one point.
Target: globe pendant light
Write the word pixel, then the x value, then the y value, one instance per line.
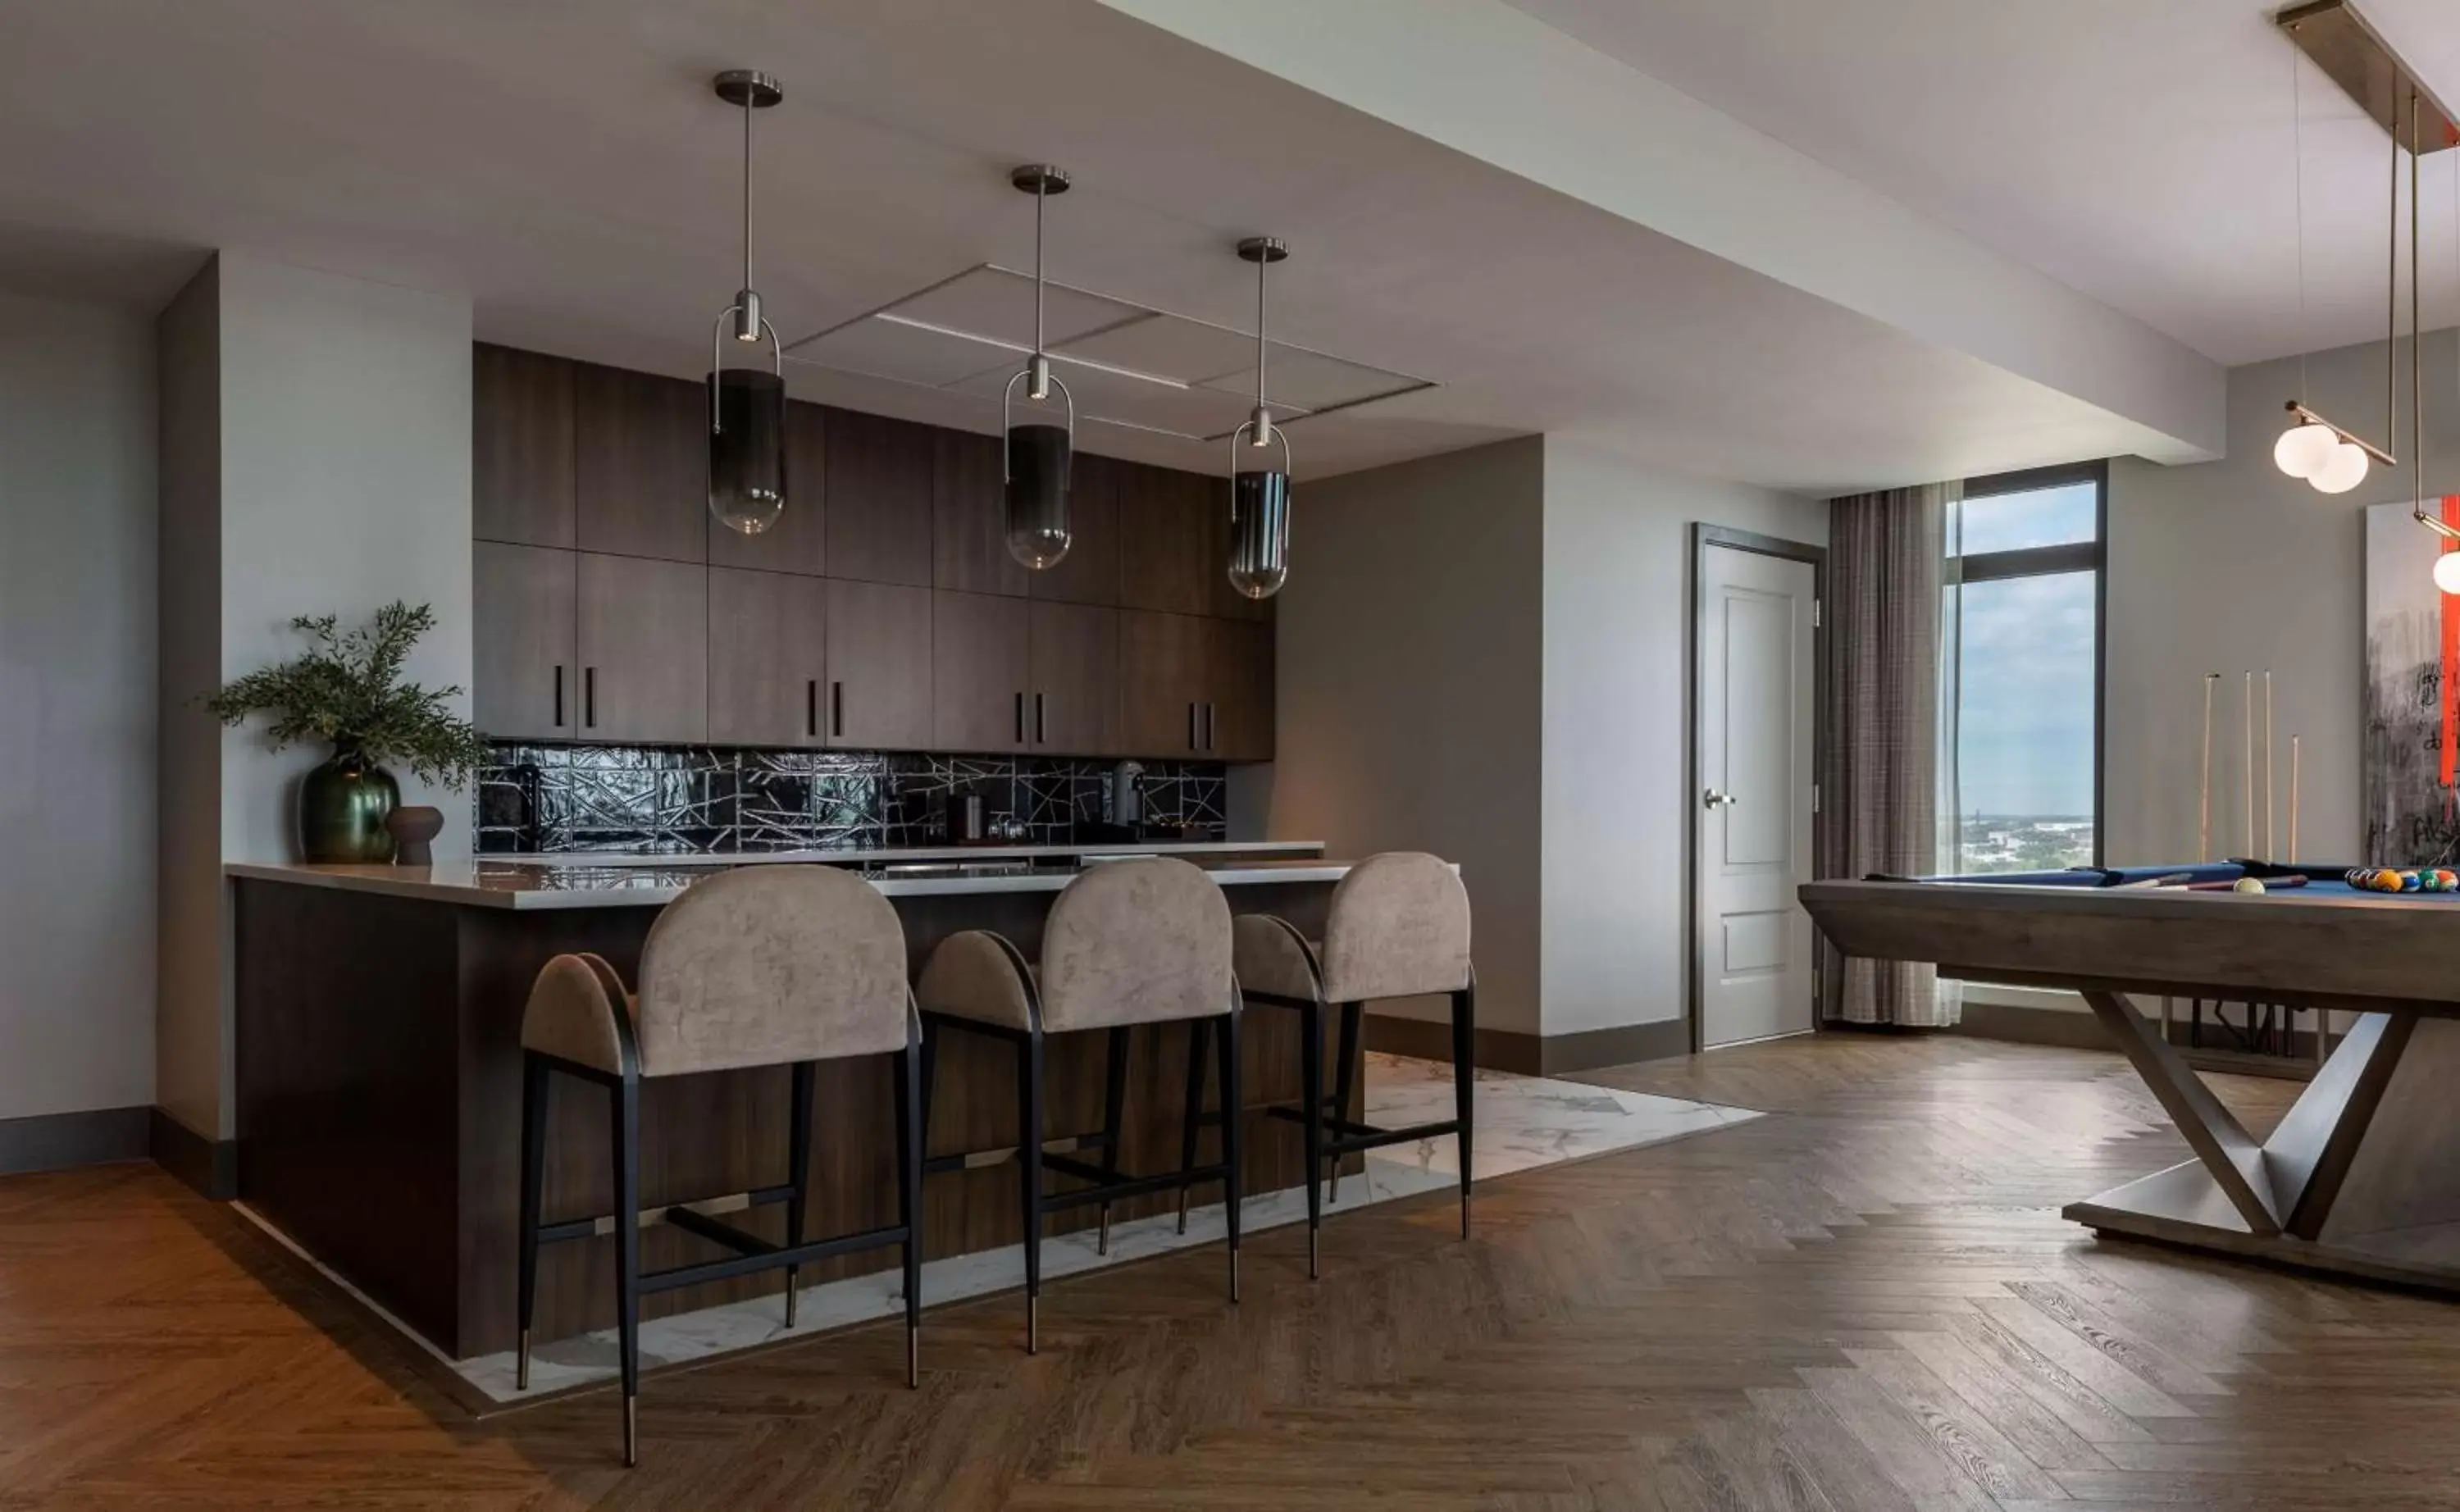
pixel 1036 455
pixel 746 407
pixel 1260 498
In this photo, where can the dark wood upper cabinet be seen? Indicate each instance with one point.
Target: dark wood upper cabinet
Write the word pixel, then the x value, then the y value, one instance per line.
pixel 879 499
pixel 521 447
pixel 968 544
pixel 1239 692
pixel 1090 572
pixel 880 666
pixel 979 670
pixel 525 673
pixel 1165 665
pixel 1167 551
pixel 644 647
pixel 768 658
pixel 642 465
pixel 1072 705
pixel 798 542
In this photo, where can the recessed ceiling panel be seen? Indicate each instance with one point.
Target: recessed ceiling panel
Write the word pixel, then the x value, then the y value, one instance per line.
pixel 1191 412
pixel 993 301
pixel 908 353
pixel 1166 345
pixel 1312 380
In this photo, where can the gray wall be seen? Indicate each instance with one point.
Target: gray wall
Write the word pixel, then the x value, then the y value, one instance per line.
pixel 316 454
pixel 1409 710
pixel 2230 566
pixel 1616 796
pixel 77 737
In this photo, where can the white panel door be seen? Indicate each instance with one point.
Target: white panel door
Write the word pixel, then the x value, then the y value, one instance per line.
pixel 1755 951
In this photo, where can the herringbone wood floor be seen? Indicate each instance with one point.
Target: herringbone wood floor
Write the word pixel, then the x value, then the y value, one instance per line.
pixel 1867 1301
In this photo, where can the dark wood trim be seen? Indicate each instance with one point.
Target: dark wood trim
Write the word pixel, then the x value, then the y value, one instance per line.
pixel 1703 536
pixel 2025 480
pixel 1528 1055
pixel 56 1142
pixel 210 1167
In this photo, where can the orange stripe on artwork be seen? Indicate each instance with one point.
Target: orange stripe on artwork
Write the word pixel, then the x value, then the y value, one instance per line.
pixel 2450 748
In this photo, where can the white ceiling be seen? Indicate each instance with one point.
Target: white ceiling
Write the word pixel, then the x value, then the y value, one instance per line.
pixel 562 163
pixel 2142 151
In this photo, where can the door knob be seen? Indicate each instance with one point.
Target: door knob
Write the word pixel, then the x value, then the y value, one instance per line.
pixel 1712 798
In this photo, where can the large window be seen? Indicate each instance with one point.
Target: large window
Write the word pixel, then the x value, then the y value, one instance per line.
pixel 2019 677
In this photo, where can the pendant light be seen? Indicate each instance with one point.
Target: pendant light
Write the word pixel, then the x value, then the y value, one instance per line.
pixel 1036 455
pixel 746 407
pixel 1260 498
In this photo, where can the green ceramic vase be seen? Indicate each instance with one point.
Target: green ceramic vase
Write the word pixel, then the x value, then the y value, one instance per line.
pixel 342 809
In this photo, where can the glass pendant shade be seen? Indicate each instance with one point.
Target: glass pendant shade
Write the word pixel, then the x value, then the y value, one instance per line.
pixel 2345 469
pixel 2447 572
pixel 1260 533
pixel 2304 448
pixel 1034 509
pixel 747 449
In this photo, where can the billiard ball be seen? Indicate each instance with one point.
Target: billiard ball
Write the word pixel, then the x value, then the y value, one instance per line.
pixel 2247 885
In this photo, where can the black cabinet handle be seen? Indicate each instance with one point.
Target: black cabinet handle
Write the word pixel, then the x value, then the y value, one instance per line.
pixel 1041 725
pixel 589 696
pixel 1191 728
pixel 1208 727
pixel 811 708
pixel 559 696
pixel 836 709
pixel 1020 716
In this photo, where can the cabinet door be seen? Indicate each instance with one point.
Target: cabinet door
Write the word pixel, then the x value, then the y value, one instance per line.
pixel 1166 551
pixel 1237 724
pixel 644 641
pixel 798 542
pixel 879 499
pixel 979 668
pixel 521 447
pixel 1163 666
pixel 641 462
pixel 880 666
pixel 1090 572
pixel 1074 708
pixel 768 658
pixel 968 544
pixel 524 675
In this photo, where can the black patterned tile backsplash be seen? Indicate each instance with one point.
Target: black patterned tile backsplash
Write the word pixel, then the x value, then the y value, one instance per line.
pixel 681 799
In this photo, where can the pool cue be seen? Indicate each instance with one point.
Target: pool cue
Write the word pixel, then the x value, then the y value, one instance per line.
pixel 2248 793
pixel 2269 853
pixel 2293 800
pixel 2204 804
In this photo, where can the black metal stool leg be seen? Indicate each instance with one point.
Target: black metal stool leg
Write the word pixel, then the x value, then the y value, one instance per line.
pixel 1200 1035
pixel 910 1134
pixel 1311 1121
pixel 1464 1080
pixel 534 1106
pixel 1029 1165
pixel 1344 1072
pixel 1231 1107
pixel 626 1108
pixel 1115 1103
pixel 799 1171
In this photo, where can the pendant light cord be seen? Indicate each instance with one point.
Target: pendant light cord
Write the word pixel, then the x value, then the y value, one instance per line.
pixel 1262 263
pixel 1041 193
pixel 2391 293
pixel 2298 181
pixel 747 188
pixel 2416 311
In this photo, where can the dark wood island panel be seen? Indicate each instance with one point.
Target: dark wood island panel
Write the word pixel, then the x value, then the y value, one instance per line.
pixel 379 1100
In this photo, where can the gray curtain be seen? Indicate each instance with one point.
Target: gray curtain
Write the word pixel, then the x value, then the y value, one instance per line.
pixel 1879 791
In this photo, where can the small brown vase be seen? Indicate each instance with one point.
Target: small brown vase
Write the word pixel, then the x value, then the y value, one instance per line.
pixel 413 830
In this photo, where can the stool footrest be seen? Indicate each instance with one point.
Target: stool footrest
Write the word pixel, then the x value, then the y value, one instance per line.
pixel 1377 1139
pixel 769 1259
pixel 1131 1186
pixel 1001 1155
pixel 604 1222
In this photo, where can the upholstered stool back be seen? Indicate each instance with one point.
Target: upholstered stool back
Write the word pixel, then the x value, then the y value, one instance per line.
pixel 1398 927
pixel 769 964
pixel 1136 941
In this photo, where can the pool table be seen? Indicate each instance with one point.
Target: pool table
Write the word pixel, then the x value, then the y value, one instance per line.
pixel 2362 1178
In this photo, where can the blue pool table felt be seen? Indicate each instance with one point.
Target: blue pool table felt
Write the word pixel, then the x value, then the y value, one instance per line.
pixel 2322 881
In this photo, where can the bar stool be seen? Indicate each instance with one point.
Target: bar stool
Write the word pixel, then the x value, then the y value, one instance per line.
pixel 762 966
pixel 1127 943
pixel 1398 926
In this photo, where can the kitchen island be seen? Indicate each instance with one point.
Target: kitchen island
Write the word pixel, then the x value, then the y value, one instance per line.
pixel 378 1079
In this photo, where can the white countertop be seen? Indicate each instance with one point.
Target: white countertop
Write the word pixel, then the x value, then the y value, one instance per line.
pixel 884 855
pixel 491 883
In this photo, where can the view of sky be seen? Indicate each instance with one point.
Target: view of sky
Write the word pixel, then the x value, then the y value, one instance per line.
pixel 2024 737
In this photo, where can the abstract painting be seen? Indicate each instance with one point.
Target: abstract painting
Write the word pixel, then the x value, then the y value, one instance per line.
pixel 2412 726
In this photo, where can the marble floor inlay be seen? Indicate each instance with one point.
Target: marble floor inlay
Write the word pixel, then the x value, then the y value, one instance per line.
pixel 1522 1122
